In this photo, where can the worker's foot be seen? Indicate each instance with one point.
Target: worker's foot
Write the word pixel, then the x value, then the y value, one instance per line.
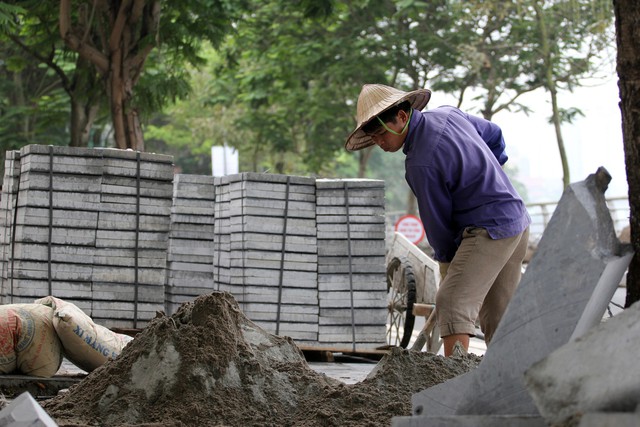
pixel 458 350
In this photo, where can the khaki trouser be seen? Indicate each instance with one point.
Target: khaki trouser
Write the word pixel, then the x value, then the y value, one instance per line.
pixel 479 282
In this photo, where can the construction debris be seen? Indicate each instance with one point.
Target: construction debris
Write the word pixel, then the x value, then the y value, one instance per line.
pixel 209 365
pixel 592 373
pixel 564 293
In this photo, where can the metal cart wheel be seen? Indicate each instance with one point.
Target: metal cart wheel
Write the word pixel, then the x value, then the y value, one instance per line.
pixel 401 288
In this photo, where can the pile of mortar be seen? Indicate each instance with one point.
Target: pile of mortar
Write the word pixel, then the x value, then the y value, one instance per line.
pixel 209 365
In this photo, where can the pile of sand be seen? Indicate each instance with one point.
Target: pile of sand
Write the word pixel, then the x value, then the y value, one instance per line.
pixel 208 365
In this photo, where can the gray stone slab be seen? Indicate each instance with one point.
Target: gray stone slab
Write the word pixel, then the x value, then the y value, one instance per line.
pixel 57 217
pixel 578 244
pixel 351 219
pixel 24 411
pixel 61 164
pixel 361 316
pixel 264 225
pixel 343 248
pixel 353 210
pixel 32 180
pixel 326 183
pixel 471 421
pixel 608 419
pixel 128 186
pixel 354 200
pixel 353 269
pixel 60 151
pixel 60 200
pixel 123 222
pixel 115 154
pixel 595 372
pixel 268 177
pixel 55 235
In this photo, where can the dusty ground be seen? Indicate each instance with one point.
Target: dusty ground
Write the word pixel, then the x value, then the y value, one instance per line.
pixel 208 365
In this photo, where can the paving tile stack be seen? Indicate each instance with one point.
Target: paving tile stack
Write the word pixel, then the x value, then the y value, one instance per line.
pixel 117 234
pixel 8 199
pixel 273 252
pixel 191 240
pixel 222 235
pixel 91 227
pixel 352 288
pixel 132 237
pixel 55 221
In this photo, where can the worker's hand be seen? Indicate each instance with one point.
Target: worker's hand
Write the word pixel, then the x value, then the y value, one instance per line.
pixel 444 266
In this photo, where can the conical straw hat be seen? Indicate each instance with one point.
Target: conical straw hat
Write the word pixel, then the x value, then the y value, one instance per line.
pixel 375 99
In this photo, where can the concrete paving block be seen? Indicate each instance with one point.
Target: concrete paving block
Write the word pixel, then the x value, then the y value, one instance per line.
pixel 609 419
pixel 578 244
pixel 471 421
pixel 593 373
pixel 24 411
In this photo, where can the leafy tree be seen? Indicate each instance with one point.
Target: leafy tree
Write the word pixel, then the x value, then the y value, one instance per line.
pixel 107 46
pixel 296 77
pixel 519 46
pixel 627 13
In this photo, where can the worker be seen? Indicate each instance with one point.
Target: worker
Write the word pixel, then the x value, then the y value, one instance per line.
pixel 475 221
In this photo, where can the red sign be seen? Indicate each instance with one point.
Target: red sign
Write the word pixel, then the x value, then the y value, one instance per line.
pixel 410 227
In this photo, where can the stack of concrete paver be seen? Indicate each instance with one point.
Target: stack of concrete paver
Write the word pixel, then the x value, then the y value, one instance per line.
pixel 89 226
pixel 351 262
pixel 117 234
pixel 222 235
pixel 54 228
pixel 191 242
pixel 273 252
pixel 129 271
pixel 7 216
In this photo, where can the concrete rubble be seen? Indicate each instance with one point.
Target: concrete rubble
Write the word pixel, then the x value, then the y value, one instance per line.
pixel 24 411
pixel 564 293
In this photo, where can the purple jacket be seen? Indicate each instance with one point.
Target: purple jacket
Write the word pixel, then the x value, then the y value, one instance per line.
pixel 453 166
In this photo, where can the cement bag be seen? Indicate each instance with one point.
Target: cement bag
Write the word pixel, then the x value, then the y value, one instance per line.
pixel 36 348
pixel 8 336
pixel 86 344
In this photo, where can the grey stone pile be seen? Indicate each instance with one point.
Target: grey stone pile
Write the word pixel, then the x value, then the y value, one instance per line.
pixel 89 226
pixel 272 251
pixel 191 240
pixel 119 235
pixel 352 288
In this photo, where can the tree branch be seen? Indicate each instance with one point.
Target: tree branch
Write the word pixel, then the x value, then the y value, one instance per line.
pixel 85 50
pixel 46 60
pixel 119 25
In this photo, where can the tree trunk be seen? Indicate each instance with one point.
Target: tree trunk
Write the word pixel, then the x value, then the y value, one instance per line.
pixel 82 118
pixel 129 40
pixel 365 155
pixel 566 174
pixel 550 85
pixel 628 40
